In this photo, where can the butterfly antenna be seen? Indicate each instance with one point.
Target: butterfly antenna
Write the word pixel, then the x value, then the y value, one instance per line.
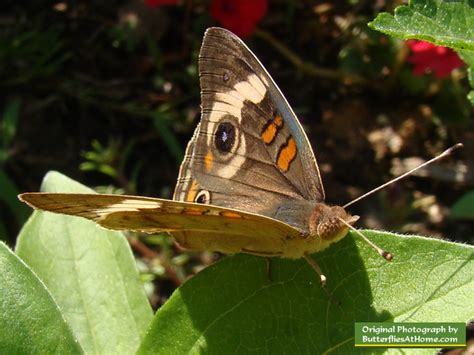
pixel 383 253
pixel 442 155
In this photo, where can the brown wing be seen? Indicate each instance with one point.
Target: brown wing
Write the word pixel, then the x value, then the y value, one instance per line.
pixel 249 151
pixel 195 226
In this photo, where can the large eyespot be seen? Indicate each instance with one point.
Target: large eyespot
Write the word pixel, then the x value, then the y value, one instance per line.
pixel 203 196
pixel 225 137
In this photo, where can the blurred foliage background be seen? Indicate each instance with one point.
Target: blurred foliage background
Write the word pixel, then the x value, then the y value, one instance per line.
pixel 107 92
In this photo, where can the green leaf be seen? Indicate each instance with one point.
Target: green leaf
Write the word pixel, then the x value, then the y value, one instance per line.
pixel 235 305
pixel 445 23
pixel 462 209
pixel 91 273
pixel 30 320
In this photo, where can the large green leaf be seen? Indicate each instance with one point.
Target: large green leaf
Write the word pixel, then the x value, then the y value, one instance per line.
pixel 90 272
pixel 445 23
pixel 30 320
pixel 234 305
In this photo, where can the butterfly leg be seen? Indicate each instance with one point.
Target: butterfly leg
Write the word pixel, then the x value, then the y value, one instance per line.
pixel 267 256
pixel 322 278
pixel 269 268
pixel 315 266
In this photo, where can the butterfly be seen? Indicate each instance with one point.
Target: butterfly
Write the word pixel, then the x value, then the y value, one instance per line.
pixel 249 182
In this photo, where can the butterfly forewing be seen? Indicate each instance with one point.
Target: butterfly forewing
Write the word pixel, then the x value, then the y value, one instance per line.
pixel 250 152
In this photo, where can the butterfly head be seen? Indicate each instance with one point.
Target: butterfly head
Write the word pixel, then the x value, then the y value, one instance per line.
pixel 326 222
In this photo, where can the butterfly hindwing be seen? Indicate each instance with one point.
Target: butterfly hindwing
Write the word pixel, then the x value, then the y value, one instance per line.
pixel 249 151
pixel 186 186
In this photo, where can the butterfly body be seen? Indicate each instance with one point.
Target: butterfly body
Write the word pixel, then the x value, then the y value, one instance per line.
pixel 302 231
pixel 249 181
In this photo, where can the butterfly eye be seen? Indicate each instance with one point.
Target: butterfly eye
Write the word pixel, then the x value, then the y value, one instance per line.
pixel 203 197
pixel 225 137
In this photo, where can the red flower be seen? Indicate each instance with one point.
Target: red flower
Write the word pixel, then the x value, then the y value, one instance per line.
pixel 239 16
pixel 158 3
pixel 429 57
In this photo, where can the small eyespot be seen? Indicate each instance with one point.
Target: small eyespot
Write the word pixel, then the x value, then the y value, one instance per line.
pixel 203 196
pixel 226 76
pixel 225 137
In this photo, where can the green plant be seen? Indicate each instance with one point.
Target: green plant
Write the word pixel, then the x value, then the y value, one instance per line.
pixel 445 23
pixel 87 276
pixel 73 287
pixel 89 272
